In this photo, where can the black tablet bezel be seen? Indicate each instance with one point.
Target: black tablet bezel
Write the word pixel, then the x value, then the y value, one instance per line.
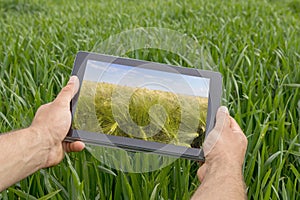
pixel 215 92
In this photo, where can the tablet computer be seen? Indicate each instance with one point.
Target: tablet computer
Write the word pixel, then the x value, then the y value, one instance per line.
pixel 143 106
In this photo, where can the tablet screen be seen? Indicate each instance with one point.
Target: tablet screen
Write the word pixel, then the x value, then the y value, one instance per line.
pixel 142 103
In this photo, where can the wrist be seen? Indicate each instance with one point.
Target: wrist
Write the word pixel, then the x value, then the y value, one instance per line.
pixel 225 181
pixel 223 160
pixel 223 166
pixel 50 146
pixel 43 145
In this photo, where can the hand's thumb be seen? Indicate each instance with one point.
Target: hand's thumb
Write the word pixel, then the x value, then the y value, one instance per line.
pixel 222 118
pixel 68 92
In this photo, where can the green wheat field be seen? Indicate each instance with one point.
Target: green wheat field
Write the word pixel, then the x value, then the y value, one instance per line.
pixel 177 121
pixel 255 44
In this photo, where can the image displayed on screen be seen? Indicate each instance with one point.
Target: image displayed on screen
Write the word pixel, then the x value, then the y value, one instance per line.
pixel 146 104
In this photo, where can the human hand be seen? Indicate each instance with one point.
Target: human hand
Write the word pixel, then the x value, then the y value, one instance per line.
pixel 52 122
pixel 225 146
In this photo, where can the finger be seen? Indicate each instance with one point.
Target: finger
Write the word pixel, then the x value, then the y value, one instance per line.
pixel 68 92
pixel 201 172
pixel 74 146
pixel 222 119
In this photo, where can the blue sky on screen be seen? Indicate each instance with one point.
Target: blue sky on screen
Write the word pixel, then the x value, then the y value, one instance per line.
pixel 146 78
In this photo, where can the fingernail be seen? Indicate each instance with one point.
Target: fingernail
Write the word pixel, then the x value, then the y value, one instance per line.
pixel 72 79
pixel 224 109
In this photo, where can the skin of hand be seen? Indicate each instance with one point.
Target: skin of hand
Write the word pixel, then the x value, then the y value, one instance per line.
pixel 40 145
pixel 53 121
pixel 224 149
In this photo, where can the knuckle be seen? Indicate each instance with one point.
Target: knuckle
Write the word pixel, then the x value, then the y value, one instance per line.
pixel 244 139
pixel 44 106
pixel 68 88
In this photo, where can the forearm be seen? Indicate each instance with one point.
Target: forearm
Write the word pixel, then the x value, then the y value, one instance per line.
pixel 222 184
pixel 22 154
